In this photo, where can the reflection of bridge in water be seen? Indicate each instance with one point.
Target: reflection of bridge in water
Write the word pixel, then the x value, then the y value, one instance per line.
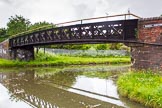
pixel 41 94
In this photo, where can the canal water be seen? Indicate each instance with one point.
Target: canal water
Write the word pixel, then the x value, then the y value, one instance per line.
pixel 62 87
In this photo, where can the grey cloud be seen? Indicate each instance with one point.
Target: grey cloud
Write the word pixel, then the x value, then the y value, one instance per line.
pixel 83 10
pixel 144 8
pixel 75 9
pixel 87 8
pixel 16 3
pixel 11 2
pixel 6 1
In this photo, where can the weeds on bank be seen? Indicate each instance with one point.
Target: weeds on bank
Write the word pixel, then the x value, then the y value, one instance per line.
pixel 144 87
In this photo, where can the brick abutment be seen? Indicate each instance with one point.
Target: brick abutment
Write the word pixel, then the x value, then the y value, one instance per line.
pixel 148 56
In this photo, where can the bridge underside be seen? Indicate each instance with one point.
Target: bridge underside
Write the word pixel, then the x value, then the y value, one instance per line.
pixel 26 53
pixel 23 53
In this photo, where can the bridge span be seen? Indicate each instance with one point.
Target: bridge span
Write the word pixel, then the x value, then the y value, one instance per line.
pixel 124 31
pixel 99 32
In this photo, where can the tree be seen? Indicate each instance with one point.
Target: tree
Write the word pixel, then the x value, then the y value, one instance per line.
pixel 17 24
pixel 3 32
pixel 42 25
pixel 3 35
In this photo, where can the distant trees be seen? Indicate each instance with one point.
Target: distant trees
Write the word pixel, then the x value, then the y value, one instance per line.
pixel 17 24
pixel 3 32
pixel 43 24
pixel 72 46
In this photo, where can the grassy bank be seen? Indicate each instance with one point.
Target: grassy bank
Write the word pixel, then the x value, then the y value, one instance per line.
pixel 142 87
pixel 53 60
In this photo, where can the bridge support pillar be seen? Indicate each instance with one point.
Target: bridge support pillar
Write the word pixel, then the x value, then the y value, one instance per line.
pixel 148 56
pixel 25 53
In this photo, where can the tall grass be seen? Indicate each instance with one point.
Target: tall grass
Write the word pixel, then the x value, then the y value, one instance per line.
pixel 144 87
pixel 11 63
pixel 49 59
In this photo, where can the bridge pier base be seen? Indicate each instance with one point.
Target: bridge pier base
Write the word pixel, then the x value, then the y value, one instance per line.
pixel 147 57
pixel 25 53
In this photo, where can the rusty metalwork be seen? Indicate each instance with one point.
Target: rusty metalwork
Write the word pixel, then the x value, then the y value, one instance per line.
pixel 99 32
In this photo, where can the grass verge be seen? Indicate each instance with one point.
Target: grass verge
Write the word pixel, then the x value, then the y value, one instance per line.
pixel 53 60
pixel 143 87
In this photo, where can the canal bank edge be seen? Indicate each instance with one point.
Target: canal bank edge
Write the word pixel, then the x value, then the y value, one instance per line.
pixel 144 87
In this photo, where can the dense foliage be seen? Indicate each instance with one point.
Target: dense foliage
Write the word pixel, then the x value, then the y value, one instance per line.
pixel 3 34
pixel 17 24
pixel 41 25
pixel 144 87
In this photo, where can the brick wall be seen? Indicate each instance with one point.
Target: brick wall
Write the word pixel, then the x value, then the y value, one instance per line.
pixel 4 49
pixel 148 56
pixel 150 30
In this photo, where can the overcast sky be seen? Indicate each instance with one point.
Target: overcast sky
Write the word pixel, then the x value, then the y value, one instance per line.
pixel 56 11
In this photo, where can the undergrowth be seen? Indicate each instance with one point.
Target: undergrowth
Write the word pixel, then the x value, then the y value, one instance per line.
pixel 144 87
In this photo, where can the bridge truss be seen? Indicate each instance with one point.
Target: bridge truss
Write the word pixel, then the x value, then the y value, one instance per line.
pixel 98 32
